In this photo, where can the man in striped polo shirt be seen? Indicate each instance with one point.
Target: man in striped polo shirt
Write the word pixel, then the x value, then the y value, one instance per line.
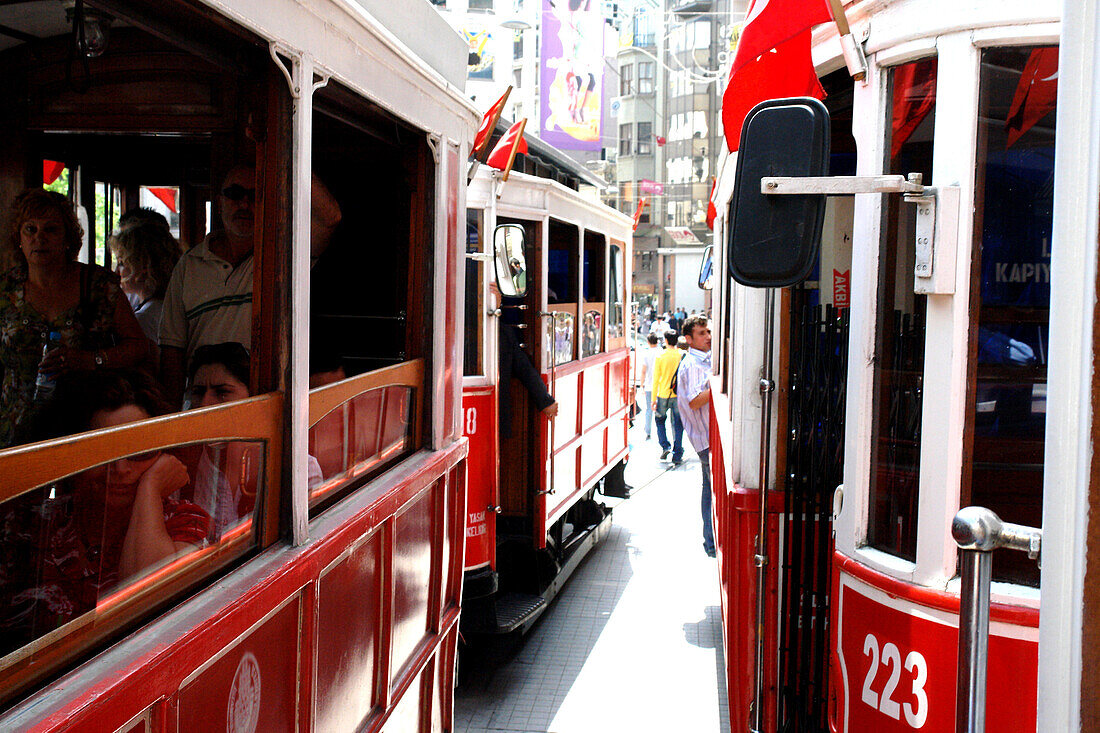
pixel 693 399
pixel 209 297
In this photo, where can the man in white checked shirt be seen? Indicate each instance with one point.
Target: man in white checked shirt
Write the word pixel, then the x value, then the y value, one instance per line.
pixel 693 400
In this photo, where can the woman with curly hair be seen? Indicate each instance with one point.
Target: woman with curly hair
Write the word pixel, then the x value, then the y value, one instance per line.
pixel 145 254
pixel 49 302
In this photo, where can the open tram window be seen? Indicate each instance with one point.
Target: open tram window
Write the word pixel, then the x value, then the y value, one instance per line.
pixel 1011 283
pixel 594 284
pixel 369 292
pixel 900 328
pixel 616 329
pixel 179 98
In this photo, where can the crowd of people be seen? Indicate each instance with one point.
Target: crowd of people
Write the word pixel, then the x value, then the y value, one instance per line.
pixel 83 347
pixel 673 368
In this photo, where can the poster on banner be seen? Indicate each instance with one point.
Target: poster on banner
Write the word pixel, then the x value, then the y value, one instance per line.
pixel 571 78
pixel 479 40
pixel 647 186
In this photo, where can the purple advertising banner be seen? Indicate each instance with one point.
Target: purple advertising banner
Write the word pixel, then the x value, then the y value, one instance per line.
pixel 571 82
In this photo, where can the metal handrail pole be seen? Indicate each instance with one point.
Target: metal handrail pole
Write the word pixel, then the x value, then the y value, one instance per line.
pixel 977 573
pixel 978 532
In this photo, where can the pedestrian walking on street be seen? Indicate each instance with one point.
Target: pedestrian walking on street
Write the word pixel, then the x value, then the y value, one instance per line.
pixel 693 400
pixel 664 398
pixel 649 361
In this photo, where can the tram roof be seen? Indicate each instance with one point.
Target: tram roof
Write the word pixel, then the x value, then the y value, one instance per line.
pixel 543 160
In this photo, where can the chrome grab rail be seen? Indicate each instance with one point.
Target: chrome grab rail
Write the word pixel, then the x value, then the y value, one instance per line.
pixel 978 532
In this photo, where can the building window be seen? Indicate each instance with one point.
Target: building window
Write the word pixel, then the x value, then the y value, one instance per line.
pixel 517 77
pixel 626 139
pixel 647 262
pixel 626 80
pixel 645 138
pixel 481 5
pixel 517 45
pixel 645 77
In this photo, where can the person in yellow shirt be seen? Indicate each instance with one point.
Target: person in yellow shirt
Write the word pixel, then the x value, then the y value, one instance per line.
pixel 664 400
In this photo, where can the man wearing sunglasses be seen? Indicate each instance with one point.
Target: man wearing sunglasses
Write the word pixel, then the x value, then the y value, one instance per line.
pixel 209 297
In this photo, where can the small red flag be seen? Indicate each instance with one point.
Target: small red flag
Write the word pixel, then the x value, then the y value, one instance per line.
pixel 504 154
pixel 712 212
pixel 51 171
pixel 638 212
pixel 661 141
pixel 773 59
pixel 914 99
pixel 166 195
pixel 1036 93
pixel 488 123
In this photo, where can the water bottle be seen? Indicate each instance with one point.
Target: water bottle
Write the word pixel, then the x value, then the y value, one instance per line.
pixel 44 383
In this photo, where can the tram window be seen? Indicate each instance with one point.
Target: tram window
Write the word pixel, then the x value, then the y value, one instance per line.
pixel 150 112
pixel 1011 275
pixel 562 280
pixel 369 291
pixel 900 326
pixel 595 253
pixel 474 305
pixel 615 328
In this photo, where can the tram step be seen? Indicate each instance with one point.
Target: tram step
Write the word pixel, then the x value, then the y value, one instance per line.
pixel 510 612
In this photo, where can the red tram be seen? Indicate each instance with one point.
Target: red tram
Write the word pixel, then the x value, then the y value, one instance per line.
pixel 941 354
pixel 532 511
pixel 330 603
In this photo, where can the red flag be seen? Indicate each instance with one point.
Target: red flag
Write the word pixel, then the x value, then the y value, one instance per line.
pixel 773 59
pixel 712 212
pixel 166 195
pixel 638 212
pixel 51 171
pixel 914 98
pixel 504 154
pixel 661 141
pixel 488 123
pixel 1036 93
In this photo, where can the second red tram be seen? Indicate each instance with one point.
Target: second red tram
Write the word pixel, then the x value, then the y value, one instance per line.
pixel 532 510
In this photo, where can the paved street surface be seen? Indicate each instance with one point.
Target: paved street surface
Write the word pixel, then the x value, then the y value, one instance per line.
pixel 633 642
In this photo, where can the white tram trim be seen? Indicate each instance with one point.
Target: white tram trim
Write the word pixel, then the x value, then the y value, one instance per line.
pixel 1069 451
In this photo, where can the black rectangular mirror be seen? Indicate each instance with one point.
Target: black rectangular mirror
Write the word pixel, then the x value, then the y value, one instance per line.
pixel 773 239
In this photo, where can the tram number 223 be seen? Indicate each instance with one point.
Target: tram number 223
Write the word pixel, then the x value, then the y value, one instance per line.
pixel 915 664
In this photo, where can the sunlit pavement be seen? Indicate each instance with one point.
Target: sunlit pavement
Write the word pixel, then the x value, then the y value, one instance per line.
pixel 633 642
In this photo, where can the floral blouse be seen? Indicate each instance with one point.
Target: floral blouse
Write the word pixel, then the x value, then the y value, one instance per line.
pixel 89 325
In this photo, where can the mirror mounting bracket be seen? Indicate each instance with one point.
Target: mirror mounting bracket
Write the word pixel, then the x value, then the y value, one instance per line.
pixel 936 217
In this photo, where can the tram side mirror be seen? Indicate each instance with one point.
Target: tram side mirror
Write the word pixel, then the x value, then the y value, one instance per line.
pixel 706 269
pixel 508 241
pixel 774 238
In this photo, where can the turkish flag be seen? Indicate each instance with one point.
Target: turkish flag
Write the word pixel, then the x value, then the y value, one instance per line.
pixel 488 122
pixel 914 99
pixel 51 171
pixel 712 212
pixel 773 59
pixel 1036 93
pixel 661 141
pixel 505 152
pixel 638 212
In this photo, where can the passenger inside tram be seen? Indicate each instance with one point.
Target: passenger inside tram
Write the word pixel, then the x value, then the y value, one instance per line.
pixel 57 315
pixel 145 253
pixel 66 546
pixel 227 473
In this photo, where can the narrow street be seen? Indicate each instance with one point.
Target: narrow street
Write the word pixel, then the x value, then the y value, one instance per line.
pixel 633 642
